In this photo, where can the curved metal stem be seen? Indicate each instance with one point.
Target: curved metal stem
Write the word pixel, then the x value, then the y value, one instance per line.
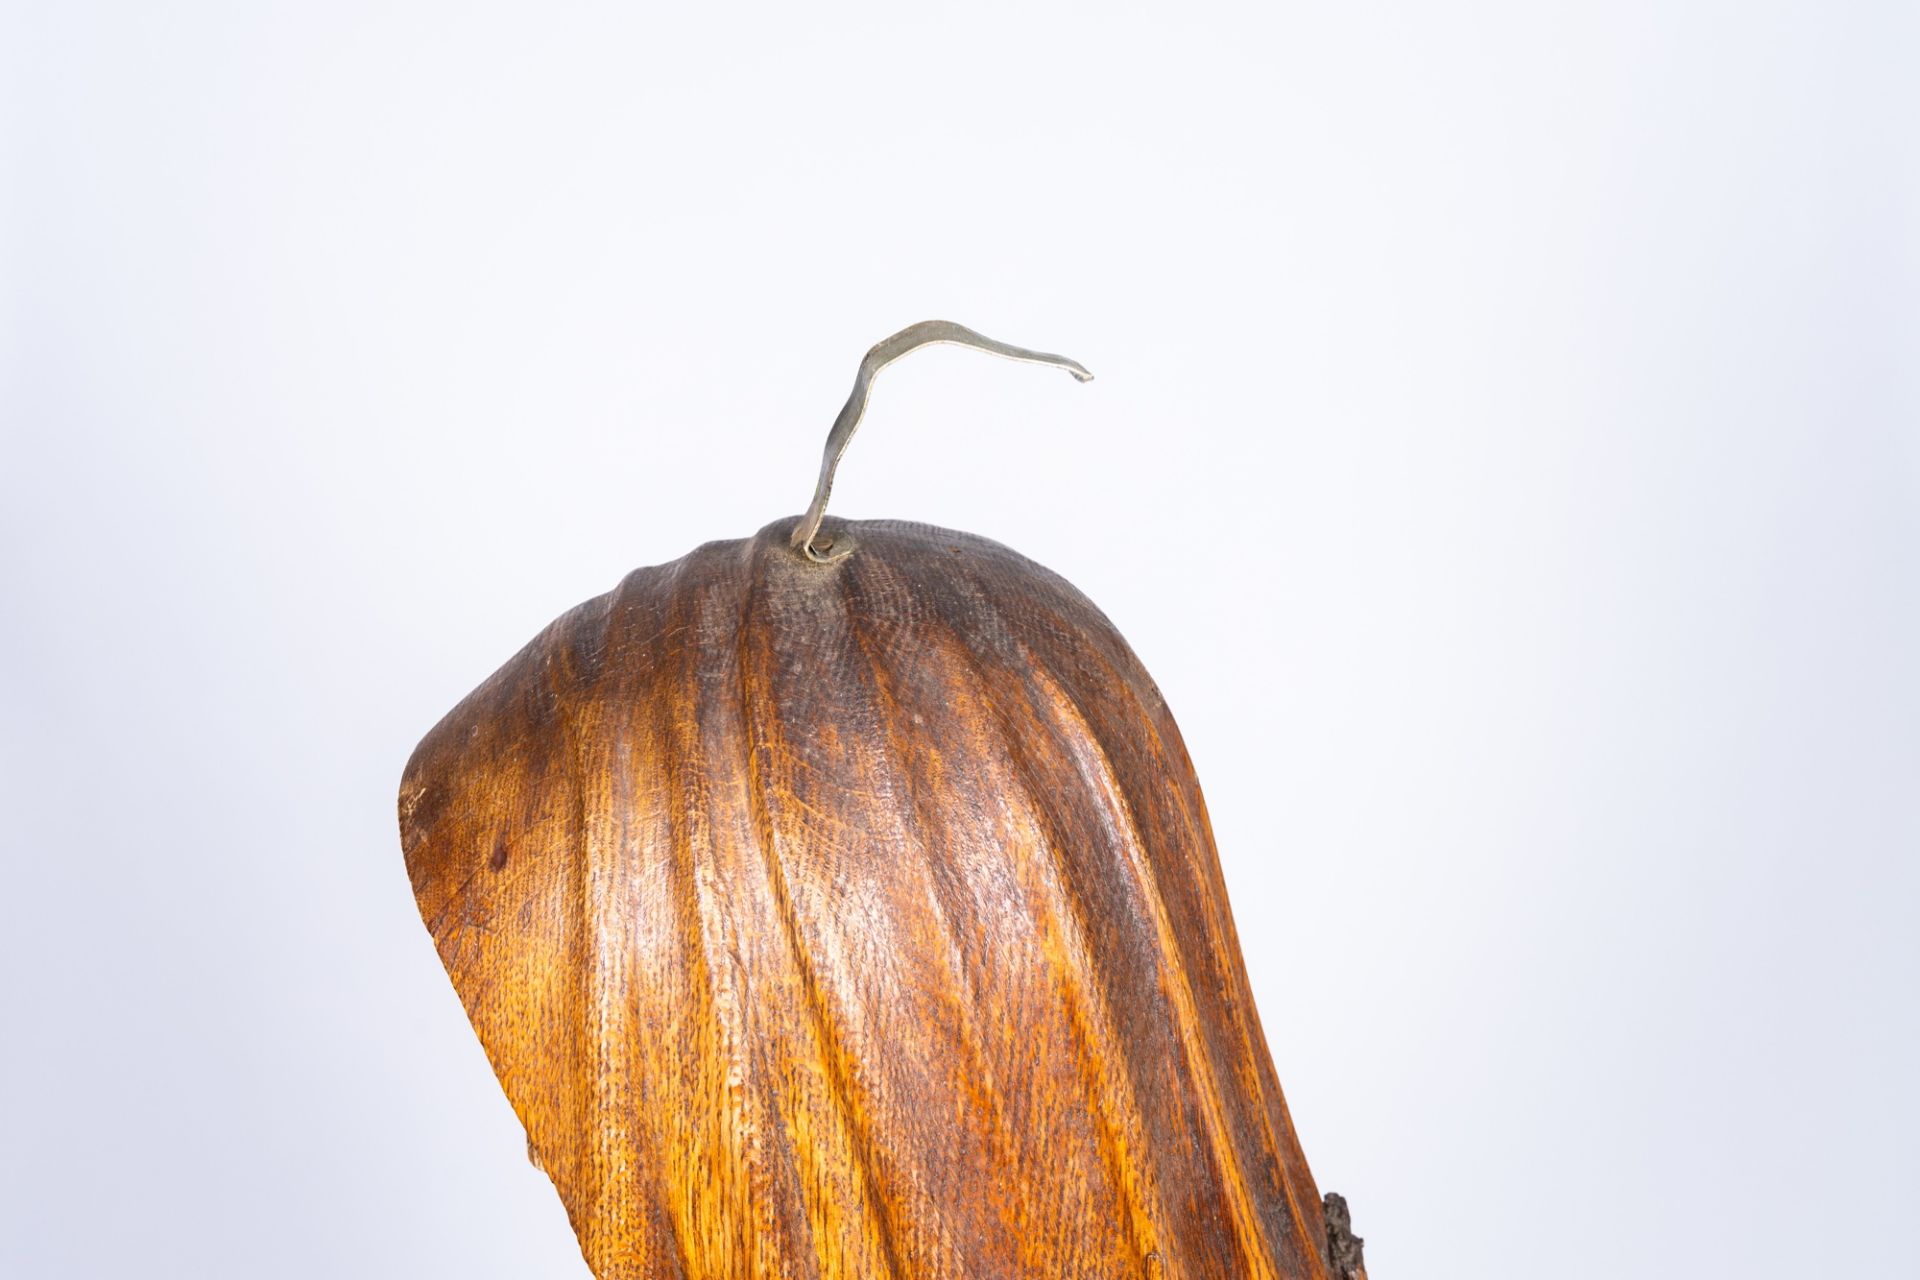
pixel 884 353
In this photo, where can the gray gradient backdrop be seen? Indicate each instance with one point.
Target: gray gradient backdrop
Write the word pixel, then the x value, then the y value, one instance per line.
pixel 1504 454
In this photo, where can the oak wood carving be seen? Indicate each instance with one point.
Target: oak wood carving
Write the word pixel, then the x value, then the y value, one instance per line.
pixel 829 917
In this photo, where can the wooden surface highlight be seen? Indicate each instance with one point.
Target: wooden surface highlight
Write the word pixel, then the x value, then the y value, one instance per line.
pixel 857 920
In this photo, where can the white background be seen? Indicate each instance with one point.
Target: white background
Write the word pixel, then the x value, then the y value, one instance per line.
pixel 1504 454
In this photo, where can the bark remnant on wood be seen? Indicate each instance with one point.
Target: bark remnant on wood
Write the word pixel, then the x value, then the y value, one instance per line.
pixel 1343 1247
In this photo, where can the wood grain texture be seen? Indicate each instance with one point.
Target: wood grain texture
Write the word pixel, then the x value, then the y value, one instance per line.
pixel 857 920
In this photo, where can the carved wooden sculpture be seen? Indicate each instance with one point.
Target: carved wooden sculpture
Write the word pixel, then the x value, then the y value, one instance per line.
pixel 841 903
